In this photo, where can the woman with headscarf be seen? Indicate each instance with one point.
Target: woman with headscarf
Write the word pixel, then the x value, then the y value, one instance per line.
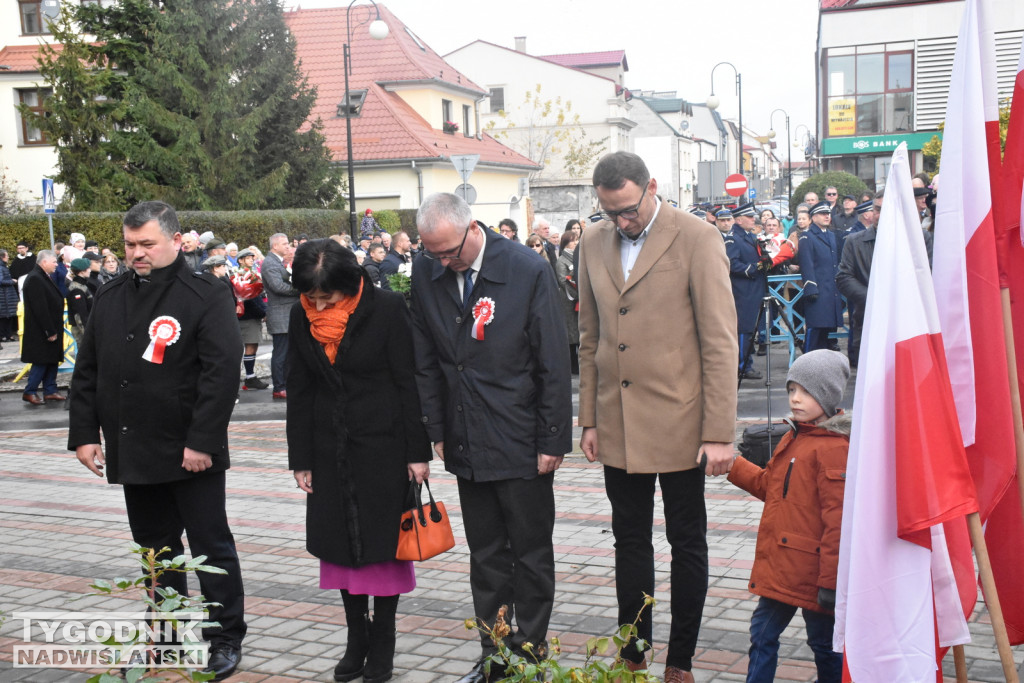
pixel 350 354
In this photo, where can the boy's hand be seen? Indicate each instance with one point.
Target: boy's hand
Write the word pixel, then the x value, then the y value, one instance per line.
pixel 827 599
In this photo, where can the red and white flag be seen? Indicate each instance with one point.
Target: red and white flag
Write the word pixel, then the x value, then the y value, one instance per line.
pixel 908 485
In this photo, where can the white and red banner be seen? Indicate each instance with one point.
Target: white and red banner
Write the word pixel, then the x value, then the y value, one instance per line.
pixel 967 288
pixel 908 486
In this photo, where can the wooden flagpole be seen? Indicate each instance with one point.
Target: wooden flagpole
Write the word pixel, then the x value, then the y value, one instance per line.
pixel 988 585
pixel 1011 364
pixel 960 661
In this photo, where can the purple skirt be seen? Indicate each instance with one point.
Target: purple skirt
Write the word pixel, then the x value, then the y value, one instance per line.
pixel 384 578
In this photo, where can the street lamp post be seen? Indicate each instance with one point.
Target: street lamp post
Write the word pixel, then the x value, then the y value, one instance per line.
pixel 808 137
pixel 378 31
pixel 789 150
pixel 713 103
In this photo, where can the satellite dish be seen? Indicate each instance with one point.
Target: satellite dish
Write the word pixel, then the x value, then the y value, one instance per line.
pixel 684 125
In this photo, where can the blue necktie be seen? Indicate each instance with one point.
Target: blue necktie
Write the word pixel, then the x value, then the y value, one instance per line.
pixel 467 289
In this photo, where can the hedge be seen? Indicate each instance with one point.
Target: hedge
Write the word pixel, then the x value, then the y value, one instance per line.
pixel 241 227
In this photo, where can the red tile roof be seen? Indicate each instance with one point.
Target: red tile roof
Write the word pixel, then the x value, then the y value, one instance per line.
pixel 833 4
pixel 387 128
pixel 582 60
pixel 22 58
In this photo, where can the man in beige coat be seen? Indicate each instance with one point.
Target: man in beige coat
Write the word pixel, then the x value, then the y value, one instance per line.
pixel 658 355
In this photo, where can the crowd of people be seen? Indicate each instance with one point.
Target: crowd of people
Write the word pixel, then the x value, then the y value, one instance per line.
pixel 655 308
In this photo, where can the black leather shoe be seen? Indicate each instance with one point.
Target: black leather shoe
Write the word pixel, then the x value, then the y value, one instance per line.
pixel 224 660
pixel 477 675
pixel 762 349
pixel 752 374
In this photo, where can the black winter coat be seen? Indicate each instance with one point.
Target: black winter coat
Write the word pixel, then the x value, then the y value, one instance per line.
pixel 44 317
pixel 149 412
pixel 355 425
pixel 748 283
pixel 819 262
pixel 499 402
pixel 8 293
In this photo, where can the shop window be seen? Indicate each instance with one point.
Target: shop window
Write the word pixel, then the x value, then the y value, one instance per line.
pixel 870 92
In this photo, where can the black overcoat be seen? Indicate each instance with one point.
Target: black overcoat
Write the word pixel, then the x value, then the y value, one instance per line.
pixel 499 402
pixel 818 256
pixel 44 317
pixel 8 293
pixel 748 283
pixel 148 412
pixel 355 425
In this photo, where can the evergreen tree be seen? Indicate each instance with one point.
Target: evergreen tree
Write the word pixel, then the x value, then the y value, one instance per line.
pixel 207 110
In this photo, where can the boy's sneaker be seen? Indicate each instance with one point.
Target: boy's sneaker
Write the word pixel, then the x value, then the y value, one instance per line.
pixel 254 382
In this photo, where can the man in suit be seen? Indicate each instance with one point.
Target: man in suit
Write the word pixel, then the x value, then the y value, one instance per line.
pixel 818 256
pixel 157 373
pixel 397 256
pixel 749 283
pixel 42 343
pixel 281 296
pixel 493 377
pixel 542 229
pixel 657 388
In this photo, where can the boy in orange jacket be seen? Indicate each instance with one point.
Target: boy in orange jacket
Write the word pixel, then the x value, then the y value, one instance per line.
pixel 798 539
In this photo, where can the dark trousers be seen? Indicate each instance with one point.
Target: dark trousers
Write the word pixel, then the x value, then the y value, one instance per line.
pixel 632 499
pixel 8 327
pixel 511 559
pixel 816 338
pixel 159 513
pixel 746 341
pixel 42 374
pixel 770 618
pixel 279 361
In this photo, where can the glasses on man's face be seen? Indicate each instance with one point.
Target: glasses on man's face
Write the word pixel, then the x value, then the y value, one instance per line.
pixel 450 254
pixel 629 214
pixel 831 194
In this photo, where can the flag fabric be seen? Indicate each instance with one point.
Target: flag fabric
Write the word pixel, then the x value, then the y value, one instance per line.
pixel 908 485
pixel 967 274
pixel 1005 528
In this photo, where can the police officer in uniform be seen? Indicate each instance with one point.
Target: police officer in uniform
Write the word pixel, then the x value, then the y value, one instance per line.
pixel 157 373
pixel 748 281
pixel 818 257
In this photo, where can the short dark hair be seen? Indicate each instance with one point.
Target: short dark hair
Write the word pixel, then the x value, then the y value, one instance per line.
pixel 616 168
pixel 376 246
pixel 144 212
pixel 510 223
pixel 324 265
pixel 567 237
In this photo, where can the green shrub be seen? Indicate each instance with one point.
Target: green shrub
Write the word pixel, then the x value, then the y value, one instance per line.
pixel 242 227
pixel 388 220
pixel 845 183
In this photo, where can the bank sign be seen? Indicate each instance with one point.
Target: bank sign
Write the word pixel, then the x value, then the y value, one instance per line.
pixel 874 144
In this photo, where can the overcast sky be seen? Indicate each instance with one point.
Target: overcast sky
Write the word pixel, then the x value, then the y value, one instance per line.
pixel 669 45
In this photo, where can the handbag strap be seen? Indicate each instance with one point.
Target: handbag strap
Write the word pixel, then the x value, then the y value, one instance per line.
pixel 435 514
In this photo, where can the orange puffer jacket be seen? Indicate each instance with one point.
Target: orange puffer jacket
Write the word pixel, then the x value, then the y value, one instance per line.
pixel 802 486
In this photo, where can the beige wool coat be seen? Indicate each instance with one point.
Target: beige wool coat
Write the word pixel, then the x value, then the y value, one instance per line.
pixel 658 354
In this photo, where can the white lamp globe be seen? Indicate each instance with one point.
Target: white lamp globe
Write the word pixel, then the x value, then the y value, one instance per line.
pixel 379 30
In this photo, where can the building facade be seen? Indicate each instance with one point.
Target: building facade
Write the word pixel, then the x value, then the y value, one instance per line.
pixel 883 76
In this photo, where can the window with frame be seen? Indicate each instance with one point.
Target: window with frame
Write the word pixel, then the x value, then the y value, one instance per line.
pixel 870 90
pixel 32 23
pixel 497 97
pixel 446 111
pixel 352 107
pixel 465 119
pixel 35 100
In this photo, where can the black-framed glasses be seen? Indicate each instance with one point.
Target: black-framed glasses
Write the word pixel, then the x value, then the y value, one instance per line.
pixel 451 254
pixel 629 214
pixel 831 194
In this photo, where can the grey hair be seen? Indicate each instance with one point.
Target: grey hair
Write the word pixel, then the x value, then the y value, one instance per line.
pixel 46 255
pixel 275 237
pixel 162 212
pixel 443 207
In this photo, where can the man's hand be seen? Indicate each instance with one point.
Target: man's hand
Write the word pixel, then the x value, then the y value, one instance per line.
pixel 588 443
pixel 420 471
pixel 439 449
pixel 719 457
pixel 91 455
pixel 52 337
pixel 196 461
pixel 548 463
pixel 304 480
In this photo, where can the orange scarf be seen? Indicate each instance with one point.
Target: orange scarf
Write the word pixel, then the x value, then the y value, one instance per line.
pixel 328 326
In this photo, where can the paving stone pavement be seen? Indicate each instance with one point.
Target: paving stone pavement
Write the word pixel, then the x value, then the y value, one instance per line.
pixel 61 527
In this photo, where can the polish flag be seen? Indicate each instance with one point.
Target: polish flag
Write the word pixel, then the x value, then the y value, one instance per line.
pixel 908 484
pixel 1005 528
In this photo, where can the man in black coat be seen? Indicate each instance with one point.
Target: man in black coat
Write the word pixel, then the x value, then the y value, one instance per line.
pixel 749 283
pixel 397 256
pixel 42 344
pixel 157 373
pixel 24 261
pixel 493 376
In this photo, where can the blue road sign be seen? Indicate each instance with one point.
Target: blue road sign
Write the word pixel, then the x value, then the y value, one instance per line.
pixel 753 193
pixel 49 204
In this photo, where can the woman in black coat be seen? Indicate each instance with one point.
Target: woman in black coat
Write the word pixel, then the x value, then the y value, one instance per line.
pixel 355 439
pixel 8 301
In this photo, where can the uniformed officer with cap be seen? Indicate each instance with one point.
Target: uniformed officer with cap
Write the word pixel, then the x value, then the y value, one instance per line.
pixel 818 257
pixel 748 282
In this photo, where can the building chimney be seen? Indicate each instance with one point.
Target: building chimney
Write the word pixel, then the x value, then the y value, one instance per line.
pixel 521 44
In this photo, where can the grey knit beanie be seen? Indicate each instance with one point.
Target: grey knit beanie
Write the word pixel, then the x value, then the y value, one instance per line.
pixel 823 374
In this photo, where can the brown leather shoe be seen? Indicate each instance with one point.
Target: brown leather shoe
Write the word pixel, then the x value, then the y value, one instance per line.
pixel 32 398
pixel 55 397
pixel 676 675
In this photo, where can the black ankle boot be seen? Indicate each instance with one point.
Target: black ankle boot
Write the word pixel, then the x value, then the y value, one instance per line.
pixel 352 664
pixel 381 661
